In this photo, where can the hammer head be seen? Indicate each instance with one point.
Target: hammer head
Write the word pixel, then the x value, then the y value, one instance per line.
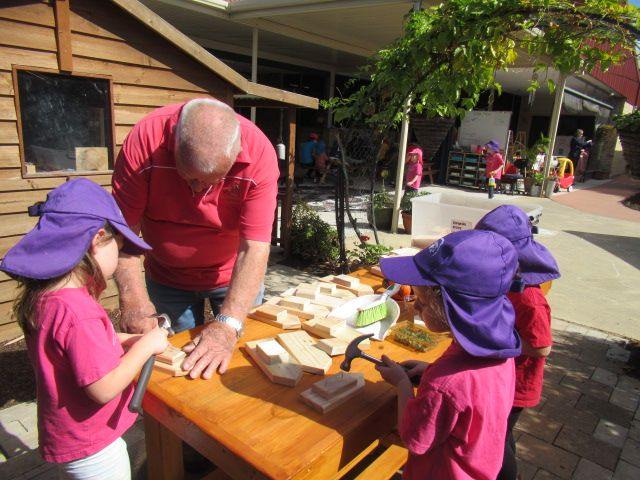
pixel 165 322
pixel 353 351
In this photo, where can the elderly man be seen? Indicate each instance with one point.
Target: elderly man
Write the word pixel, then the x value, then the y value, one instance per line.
pixel 200 182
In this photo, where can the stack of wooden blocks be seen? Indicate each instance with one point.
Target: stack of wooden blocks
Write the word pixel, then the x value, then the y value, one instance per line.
pixel 170 361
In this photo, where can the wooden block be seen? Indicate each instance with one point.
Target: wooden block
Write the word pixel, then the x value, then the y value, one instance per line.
pixel 347 334
pixel 332 346
pixel 324 405
pixel 301 347
pixel 92 159
pixel 271 312
pixel 288 374
pixel 265 313
pixel 359 290
pixel 329 326
pixel 327 301
pixel 298 303
pixel 344 294
pixel 306 290
pixel 311 327
pixel 346 281
pixel 171 356
pixel 174 370
pixel 271 352
pixel 376 270
pixel 327 288
pixel 334 385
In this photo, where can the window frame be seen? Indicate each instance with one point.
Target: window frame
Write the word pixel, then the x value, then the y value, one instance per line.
pixel 21 147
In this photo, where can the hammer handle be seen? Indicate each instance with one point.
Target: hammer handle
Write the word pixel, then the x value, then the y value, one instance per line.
pixel 135 405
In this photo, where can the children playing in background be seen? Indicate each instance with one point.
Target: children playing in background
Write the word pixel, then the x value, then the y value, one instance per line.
pixel 533 315
pixel 83 376
pixel 413 169
pixel 455 426
pixel 494 166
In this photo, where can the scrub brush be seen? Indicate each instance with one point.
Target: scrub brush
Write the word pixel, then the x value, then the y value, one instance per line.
pixel 377 310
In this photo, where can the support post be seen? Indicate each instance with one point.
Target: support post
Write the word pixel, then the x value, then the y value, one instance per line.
pixel 254 65
pixel 332 92
pixel 402 153
pixel 553 129
pixel 287 205
pixel 63 35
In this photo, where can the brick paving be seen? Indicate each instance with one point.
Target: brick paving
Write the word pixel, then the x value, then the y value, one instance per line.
pixel 586 427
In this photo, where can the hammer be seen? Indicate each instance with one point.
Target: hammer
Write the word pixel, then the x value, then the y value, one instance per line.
pixel 353 351
pixel 135 405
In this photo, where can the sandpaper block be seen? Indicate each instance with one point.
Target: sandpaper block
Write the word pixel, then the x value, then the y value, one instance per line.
pixel 288 374
pixel 337 390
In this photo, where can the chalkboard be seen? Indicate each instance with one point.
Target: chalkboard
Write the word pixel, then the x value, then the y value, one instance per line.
pixel 60 113
pixel 478 127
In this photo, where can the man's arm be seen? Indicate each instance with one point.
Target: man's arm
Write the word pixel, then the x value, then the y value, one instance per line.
pixel 135 305
pixel 212 349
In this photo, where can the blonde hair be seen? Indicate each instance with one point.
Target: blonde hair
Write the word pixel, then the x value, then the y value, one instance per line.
pixel 31 289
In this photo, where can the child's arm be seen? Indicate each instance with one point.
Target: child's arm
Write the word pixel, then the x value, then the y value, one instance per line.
pixel 413 180
pixel 530 351
pixel 128 339
pixel 394 374
pixel 113 383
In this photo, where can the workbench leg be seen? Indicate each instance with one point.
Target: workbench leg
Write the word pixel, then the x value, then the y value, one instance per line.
pixel 164 452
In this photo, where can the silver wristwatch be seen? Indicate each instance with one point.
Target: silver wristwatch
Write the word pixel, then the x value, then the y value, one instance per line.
pixel 233 322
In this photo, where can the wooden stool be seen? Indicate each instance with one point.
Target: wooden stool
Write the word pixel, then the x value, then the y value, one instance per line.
pixel 429 171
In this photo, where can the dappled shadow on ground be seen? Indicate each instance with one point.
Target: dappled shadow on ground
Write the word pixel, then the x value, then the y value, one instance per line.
pixel 17 382
pixel 625 248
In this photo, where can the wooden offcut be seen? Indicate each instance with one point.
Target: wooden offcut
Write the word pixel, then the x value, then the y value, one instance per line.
pixel 171 356
pixel 288 374
pixel 271 352
pixel 276 316
pixel 172 369
pixel 332 346
pixel 346 281
pixel 298 303
pixel 334 385
pixel 301 347
pixel 358 289
pixel 324 405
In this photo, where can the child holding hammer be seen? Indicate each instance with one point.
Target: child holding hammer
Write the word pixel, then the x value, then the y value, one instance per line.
pixel 83 376
pixel 455 425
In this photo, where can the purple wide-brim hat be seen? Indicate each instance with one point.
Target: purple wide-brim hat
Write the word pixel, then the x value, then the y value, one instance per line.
pixel 69 219
pixel 474 271
pixel 536 262
pixel 493 145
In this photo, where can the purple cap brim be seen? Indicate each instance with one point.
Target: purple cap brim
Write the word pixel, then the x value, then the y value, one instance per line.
pixel 134 245
pixel 404 270
pixel 536 263
pixel 484 327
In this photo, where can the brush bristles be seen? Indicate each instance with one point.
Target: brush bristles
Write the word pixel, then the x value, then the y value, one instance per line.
pixel 371 314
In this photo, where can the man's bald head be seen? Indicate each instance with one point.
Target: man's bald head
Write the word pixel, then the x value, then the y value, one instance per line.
pixel 207 142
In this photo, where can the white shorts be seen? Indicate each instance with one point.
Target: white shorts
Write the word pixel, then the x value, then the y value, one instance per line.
pixel 110 463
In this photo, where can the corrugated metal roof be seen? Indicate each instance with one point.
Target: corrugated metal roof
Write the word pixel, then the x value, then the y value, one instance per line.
pixel 624 79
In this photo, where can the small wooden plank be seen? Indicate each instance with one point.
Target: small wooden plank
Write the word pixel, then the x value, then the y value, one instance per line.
pixel 332 346
pixel 329 326
pixel 347 334
pixel 301 347
pixel 271 352
pixel 334 385
pixel 327 288
pixel 324 405
pixel 272 312
pixel 375 269
pixel 327 301
pixel 294 311
pixel 307 291
pixel 63 35
pixel 344 294
pixel 276 316
pixel 346 281
pixel 171 356
pixel 288 374
pixel 360 290
pixel 298 303
pixel 173 370
pixel 386 465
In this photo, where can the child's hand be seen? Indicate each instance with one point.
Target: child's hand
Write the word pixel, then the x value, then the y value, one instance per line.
pixel 392 372
pixel 155 340
pixel 415 368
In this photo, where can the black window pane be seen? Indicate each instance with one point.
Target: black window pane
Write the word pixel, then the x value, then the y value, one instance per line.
pixel 66 122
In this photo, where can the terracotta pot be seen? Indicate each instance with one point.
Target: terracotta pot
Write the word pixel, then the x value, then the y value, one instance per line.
pixel 406 222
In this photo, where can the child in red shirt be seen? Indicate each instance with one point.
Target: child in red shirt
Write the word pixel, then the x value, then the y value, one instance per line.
pixel 83 376
pixel 455 426
pixel 533 315
pixel 413 173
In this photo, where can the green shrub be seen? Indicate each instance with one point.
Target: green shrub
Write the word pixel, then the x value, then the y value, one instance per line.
pixel 405 204
pixel 312 239
pixel 629 122
pixel 367 254
pixel 382 200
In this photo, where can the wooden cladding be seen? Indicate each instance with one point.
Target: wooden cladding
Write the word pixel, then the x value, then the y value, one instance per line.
pixel 63 35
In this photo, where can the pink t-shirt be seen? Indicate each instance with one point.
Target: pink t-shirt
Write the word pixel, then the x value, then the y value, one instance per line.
pixel 494 162
pixel 74 346
pixel 195 238
pixel 455 428
pixel 413 170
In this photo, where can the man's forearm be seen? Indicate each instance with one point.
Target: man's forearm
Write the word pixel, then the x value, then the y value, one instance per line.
pixel 128 278
pixel 246 279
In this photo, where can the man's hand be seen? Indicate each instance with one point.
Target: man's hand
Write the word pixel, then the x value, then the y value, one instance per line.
pixel 210 351
pixel 137 317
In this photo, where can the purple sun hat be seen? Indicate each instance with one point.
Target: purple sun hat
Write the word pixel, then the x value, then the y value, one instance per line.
pixel 493 145
pixel 69 219
pixel 537 265
pixel 474 271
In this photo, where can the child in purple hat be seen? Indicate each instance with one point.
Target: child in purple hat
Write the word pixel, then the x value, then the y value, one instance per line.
pixel 455 425
pixel 533 315
pixel 83 375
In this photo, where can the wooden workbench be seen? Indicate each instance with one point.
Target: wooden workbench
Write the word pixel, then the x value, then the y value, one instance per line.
pixel 252 428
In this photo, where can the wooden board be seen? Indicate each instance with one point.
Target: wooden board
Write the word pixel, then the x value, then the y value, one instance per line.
pixel 174 370
pixel 329 326
pixel 92 159
pixel 301 347
pixel 288 374
pixel 275 316
pixel 271 352
pixel 328 301
pixel 305 290
pixel 346 281
pixel 327 288
pixel 332 346
pixel 334 385
pixel 324 405
pixel 360 290
pixel 298 303
pixel 298 313
pixel 171 356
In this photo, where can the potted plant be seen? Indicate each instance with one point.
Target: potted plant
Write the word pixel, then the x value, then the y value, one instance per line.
pixel 382 210
pixel 406 206
pixel 538 180
pixel 550 187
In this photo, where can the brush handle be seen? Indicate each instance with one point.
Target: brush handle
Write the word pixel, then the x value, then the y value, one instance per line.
pixel 391 291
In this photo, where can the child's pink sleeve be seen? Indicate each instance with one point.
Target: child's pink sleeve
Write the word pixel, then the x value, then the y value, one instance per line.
pixel 92 349
pixel 428 421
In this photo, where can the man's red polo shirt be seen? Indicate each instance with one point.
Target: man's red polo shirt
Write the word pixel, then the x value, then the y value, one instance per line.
pixel 195 238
